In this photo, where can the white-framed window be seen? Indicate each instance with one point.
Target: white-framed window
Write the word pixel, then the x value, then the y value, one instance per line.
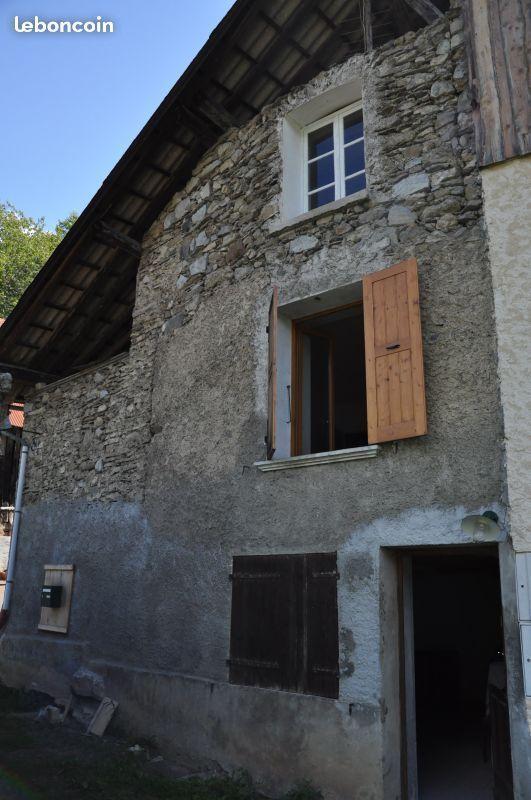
pixel 334 157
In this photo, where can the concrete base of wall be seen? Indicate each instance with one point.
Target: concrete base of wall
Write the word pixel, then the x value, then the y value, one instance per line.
pixel 281 738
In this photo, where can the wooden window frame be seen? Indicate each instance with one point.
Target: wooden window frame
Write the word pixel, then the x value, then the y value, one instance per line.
pixel 300 327
pixel 336 119
pixel 394 363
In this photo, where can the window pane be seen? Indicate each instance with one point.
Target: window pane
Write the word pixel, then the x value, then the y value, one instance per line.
pixel 354 158
pixel 353 126
pixel 321 141
pixel 355 184
pixel 321 198
pixel 321 172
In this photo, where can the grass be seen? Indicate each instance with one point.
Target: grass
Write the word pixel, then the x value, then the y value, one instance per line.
pixel 45 762
pixel 125 778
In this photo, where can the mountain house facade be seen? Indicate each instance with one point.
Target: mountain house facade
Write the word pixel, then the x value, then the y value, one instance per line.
pixel 265 378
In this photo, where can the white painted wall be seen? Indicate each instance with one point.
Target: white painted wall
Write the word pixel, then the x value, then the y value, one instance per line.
pixel 507 198
pixel 507 206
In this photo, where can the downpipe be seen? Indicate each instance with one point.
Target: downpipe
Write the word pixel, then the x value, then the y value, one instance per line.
pixel 4 613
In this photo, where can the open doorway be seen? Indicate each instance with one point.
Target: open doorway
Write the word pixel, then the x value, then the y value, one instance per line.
pixel 455 702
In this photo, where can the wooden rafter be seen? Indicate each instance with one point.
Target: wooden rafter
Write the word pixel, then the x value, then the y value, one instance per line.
pixel 425 9
pixel 116 239
pixel 366 23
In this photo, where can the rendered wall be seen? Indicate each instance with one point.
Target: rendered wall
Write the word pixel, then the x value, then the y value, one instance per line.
pixel 506 189
pixel 153 552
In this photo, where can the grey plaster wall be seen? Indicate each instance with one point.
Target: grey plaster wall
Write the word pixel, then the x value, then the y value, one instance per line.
pixel 153 553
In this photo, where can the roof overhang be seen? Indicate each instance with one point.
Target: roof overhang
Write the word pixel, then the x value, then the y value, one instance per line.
pixel 78 309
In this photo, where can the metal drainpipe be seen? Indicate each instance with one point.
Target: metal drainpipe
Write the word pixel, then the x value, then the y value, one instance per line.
pixel 4 613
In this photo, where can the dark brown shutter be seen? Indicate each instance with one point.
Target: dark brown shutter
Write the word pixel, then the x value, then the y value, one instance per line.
pixel 321 624
pixel 262 623
pixel 396 403
pixel 272 374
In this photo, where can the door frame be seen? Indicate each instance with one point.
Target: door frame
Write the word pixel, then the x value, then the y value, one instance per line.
pixel 408 734
pixel 408 710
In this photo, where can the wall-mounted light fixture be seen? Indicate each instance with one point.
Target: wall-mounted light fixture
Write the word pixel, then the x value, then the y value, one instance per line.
pixel 482 527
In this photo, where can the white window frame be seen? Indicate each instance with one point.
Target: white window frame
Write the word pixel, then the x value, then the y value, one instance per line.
pixel 339 155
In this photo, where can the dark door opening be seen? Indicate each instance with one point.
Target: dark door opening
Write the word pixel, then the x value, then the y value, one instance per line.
pixel 458 681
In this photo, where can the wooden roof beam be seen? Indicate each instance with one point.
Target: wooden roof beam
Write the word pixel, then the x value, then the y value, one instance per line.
pixel 366 24
pixel 156 168
pixel 200 127
pixel 73 286
pixel 80 346
pixel 249 106
pixel 116 239
pixel 299 15
pixel 120 218
pixel 40 326
pixel 91 291
pixel 135 193
pixel 425 9
pixel 217 113
pixel 258 67
pixel 55 306
pixel 27 375
pixel 287 38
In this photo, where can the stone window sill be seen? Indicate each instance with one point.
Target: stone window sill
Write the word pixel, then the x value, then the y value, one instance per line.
pixel 281 225
pixel 315 459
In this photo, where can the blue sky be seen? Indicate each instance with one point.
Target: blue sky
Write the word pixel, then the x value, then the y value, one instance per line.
pixel 72 103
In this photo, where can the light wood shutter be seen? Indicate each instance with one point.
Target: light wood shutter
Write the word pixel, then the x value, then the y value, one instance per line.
pixel 272 374
pixel 396 403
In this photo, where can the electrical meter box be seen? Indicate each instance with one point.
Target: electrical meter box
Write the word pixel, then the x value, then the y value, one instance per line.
pixel 51 596
pixel 56 597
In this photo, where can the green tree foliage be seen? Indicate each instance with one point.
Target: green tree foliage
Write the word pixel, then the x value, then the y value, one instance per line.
pixel 24 247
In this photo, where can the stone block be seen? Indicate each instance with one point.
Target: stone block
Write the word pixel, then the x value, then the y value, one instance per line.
pixel 401 215
pixel 200 214
pixel 302 243
pixel 419 182
pixel 442 89
pixel 199 266
pixel 181 208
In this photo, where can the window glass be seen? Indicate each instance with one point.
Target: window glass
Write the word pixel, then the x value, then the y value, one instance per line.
pixel 320 198
pixel 321 141
pixel 335 160
pixel 353 127
pixel 321 172
pixel 354 161
pixel 355 184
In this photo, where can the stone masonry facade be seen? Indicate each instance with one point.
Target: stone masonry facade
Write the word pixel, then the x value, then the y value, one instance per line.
pixel 424 190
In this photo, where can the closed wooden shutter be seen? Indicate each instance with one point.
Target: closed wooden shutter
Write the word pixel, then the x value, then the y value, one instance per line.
pixel 284 623
pixel 272 374
pixel 396 404
pixel 263 625
pixel 322 644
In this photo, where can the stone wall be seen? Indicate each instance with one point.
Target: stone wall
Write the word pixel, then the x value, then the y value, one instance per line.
pixel 89 434
pixel 421 169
